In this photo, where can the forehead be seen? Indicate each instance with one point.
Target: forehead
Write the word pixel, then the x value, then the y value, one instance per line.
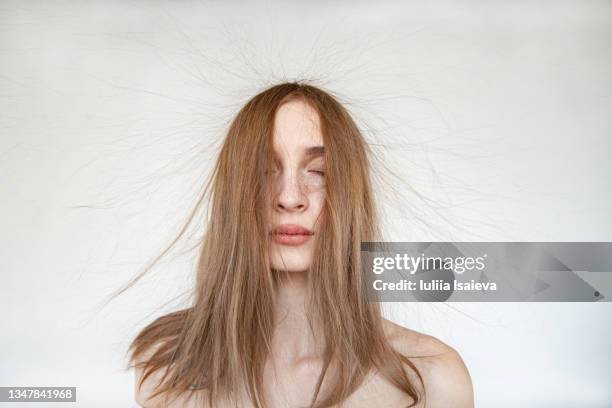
pixel 296 127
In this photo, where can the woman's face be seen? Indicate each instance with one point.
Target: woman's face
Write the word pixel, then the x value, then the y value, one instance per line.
pixel 298 182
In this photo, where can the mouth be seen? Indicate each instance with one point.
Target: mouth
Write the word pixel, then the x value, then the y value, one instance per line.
pixel 291 234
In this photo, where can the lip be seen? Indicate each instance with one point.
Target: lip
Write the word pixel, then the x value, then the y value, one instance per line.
pixel 291 234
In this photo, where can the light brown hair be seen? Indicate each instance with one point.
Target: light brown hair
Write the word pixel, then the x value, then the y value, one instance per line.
pixel 222 340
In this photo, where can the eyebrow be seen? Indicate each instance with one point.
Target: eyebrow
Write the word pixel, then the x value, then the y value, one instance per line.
pixel 311 153
pixel 315 151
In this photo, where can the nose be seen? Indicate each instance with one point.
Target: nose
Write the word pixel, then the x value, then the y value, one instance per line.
pixel 291 197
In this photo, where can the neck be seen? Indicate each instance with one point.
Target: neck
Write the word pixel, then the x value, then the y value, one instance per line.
pixel 294 340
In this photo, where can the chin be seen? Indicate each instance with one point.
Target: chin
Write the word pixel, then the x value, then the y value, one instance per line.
pixel 291 258
pixel 290 266
pixel 290 262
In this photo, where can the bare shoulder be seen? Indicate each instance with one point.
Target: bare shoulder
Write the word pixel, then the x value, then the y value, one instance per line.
pixel 144 391
pixel 446 378
pixel 143 394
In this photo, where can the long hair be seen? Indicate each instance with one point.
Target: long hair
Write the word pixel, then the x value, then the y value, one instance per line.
pixel 220 343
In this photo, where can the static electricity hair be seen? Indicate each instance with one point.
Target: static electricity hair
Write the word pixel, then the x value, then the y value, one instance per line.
pixel 219 344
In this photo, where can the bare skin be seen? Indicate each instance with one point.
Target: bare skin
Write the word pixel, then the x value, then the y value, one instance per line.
pixel 291 384
pixel 292 369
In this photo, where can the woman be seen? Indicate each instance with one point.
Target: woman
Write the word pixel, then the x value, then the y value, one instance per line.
pixel 279 318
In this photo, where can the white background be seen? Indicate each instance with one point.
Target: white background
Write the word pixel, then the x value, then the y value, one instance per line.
pixel 111 112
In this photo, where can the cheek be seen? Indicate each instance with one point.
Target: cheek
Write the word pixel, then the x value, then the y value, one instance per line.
pixel 318 207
